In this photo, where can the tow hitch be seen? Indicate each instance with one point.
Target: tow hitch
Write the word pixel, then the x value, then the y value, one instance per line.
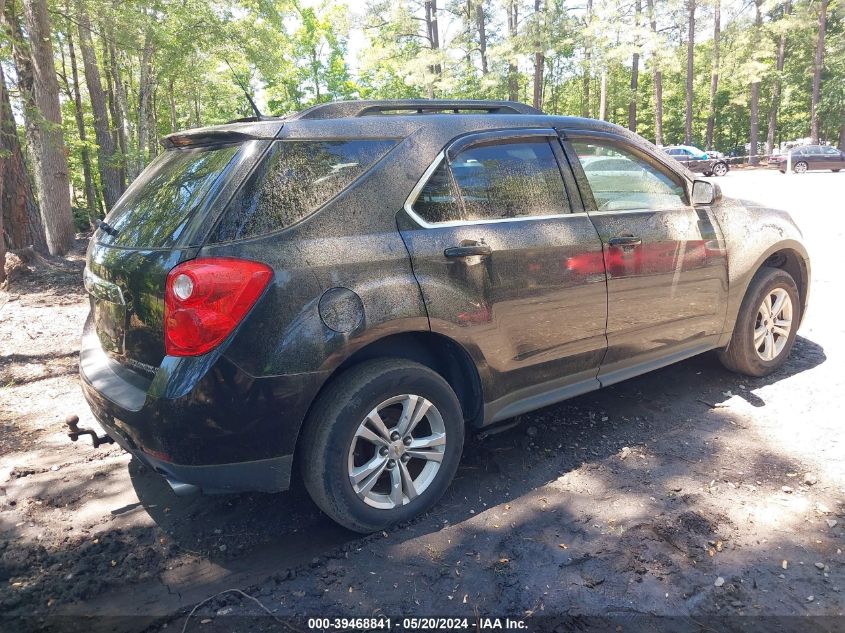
pixel 72 423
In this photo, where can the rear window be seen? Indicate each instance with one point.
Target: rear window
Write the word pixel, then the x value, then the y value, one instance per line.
pixel 296 179
pixel 502 180
pixel 159 204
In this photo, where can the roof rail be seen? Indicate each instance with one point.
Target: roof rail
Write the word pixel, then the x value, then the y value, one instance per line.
pixel 352 109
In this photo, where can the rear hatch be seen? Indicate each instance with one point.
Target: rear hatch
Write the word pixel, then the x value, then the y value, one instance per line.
pixel 161 220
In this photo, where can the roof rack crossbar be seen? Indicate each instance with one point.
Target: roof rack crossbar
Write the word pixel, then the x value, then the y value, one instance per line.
pixel 353 109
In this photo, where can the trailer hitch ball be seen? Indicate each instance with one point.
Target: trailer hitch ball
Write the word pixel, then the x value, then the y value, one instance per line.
pixel 72 422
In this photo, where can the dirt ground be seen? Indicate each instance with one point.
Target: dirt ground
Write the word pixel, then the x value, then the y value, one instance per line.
pixel 687 492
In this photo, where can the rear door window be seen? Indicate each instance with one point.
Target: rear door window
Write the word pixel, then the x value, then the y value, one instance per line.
pixel 506 179
pixel 158 206
pixel 293 181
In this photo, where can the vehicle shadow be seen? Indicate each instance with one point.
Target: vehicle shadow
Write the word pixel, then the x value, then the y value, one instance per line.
pixel 277 533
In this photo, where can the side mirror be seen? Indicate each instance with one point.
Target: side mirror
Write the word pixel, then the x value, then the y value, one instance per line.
pixel 704 192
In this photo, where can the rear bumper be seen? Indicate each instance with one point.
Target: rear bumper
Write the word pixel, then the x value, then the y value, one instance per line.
pixel 201 421
pixel 264 475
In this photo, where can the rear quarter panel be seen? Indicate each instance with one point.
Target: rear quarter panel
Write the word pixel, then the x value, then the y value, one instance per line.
pixel 341 277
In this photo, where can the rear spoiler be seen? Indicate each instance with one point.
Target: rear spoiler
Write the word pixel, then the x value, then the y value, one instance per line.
pixel 223 134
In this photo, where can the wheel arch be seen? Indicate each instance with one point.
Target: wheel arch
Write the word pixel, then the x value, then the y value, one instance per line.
pixel 798 267
pixel 436 351
pixel 788 255
pixel 440 353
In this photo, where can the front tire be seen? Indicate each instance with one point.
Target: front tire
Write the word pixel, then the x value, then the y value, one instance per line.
pixel 766 325
pixel 381 444
pixel 720 169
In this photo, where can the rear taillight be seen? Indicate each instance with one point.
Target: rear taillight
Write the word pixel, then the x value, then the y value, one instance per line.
pixel 205 299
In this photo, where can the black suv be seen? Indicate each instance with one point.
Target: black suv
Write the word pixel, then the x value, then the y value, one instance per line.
pixel 349 288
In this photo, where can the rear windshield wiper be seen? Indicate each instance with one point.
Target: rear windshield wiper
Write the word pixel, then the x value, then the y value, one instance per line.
pixel 107 228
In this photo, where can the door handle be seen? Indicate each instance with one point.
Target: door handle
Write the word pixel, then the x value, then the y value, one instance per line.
pixel 468 250
pixel 625 240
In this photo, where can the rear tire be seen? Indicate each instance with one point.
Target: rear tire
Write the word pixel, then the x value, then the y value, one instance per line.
pixel 760 344
pixel 353 456
pixel 800 167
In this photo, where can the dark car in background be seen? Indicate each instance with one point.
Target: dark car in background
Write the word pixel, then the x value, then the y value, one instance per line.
pixel 810 158
pixel 351 289
pixel 697 160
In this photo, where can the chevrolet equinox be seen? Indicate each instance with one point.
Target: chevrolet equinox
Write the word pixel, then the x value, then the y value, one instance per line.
pixel 348 289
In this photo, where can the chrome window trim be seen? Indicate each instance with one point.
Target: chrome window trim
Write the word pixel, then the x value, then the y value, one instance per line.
pixel 415 193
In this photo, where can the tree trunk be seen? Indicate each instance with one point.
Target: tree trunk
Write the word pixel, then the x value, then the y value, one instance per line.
pixel 714 76
pixel 585 98
pixel 776 86
pixel 658 81
pixel 513 70
pixel 755 92
pixel 49 144
pixel 433 33
pixel 539 55
pixel 315 72
pixel 109 174
pixel 152 130
pixel 482 36
pixel 23 69
pixel 5 155
pixel 690 69
pixel 171 97
pixel 145 84
pixel 117 104
pixel 842 132
pixel 74 94
pixel 2 233
pixel 428 36
pixel 603 95
pixel 20 221
pixel 635 69
pixel 817 73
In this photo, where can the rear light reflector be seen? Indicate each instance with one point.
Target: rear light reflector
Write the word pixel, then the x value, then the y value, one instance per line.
pixel 205 299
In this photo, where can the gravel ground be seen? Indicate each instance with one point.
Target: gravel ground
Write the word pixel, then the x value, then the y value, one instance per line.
pixel 687 492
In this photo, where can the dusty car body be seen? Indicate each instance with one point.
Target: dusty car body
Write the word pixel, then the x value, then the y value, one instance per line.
pixel 474 261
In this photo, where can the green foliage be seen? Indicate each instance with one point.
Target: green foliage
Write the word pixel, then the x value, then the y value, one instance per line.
pixel 291 54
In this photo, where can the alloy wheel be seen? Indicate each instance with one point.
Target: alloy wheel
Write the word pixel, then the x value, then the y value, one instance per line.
pixel 800 168
pixel 773 324
pixel 720 169
pixel 396 452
